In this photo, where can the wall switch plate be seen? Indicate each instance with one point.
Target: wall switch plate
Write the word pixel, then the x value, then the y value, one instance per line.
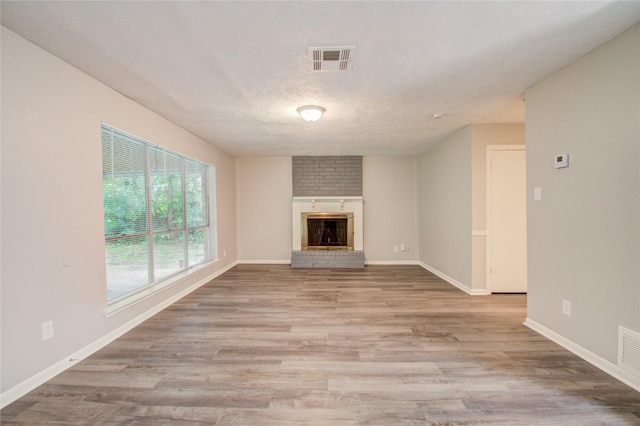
pixel 566 307
pixel 537 193
pixel 47 330
pixel 395 248
pixel 561 161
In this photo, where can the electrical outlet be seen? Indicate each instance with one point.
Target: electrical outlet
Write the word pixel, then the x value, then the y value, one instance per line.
pixel 47 330
pixel 403 247
pixel 566 307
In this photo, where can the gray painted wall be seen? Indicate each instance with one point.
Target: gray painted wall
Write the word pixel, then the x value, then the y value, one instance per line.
pixel 390 210
pixel 584 234
pixel 444 193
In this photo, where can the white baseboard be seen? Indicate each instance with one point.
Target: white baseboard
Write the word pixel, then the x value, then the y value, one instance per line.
pixel 33 382
pixel 454 282
pixel 585 354
pixel 50 372
pixel 391 262
pixel 265 262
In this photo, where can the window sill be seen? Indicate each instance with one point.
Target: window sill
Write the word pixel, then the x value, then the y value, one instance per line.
pixel 142 295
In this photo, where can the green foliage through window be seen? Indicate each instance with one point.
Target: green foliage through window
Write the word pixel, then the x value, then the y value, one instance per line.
pixel 156 212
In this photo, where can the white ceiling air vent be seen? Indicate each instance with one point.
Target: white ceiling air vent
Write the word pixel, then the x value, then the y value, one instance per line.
pixel 332 58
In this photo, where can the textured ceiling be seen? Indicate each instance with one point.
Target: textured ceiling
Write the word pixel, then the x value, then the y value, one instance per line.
pixel 234 73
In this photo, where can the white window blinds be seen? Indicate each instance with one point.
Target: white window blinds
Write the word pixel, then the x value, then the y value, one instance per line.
pixel 156 213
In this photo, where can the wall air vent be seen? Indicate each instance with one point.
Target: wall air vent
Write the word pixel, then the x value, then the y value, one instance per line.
pixel 629 351
pixel 332 58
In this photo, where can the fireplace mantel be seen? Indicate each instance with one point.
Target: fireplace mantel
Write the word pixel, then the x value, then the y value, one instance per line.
pixel 347 204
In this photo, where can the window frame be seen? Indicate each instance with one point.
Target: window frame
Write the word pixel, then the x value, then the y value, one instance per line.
pixel 155 284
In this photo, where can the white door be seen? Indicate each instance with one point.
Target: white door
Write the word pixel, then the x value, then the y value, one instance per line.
pixel 506 219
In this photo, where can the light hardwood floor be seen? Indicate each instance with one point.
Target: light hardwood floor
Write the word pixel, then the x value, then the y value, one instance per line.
pixel 271 345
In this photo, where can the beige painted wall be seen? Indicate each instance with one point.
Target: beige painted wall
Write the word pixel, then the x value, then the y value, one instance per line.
pixel 389 209
pixel 52 206
pixel 483 135
pixel 444 194
pixel 584 234
pixel 264 209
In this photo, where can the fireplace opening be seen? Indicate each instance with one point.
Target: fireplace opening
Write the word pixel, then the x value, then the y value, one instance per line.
pixel 327 231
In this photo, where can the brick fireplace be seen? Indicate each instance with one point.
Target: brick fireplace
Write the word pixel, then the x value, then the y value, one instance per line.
pixel 327 212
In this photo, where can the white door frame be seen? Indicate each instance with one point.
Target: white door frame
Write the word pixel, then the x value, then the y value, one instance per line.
pixel 490 150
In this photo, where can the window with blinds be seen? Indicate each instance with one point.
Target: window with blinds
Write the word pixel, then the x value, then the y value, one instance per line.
pixel 156 213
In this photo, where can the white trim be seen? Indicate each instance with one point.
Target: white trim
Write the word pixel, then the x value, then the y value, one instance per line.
pixel 331 198
pixel 154 290
pixel 585 354
pixel 264 262
pixel 456 283
pixel 479 233
pixel 367 262
pixel 50 372
pixel 263 158
pixel 391 262
pixel 348 204
pixel 36 380
pixel 416 207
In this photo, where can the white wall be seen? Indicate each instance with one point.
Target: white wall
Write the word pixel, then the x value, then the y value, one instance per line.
pixel 483 135
pixel 52 207
pixel 584 235
pixel 444 193
pixel 264 209
pixel 389 209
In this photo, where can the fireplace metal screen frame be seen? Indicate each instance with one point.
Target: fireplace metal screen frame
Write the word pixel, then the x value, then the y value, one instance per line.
pixel 304 230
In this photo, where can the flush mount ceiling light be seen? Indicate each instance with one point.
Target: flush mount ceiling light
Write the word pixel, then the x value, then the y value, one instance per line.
pixel 311 112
